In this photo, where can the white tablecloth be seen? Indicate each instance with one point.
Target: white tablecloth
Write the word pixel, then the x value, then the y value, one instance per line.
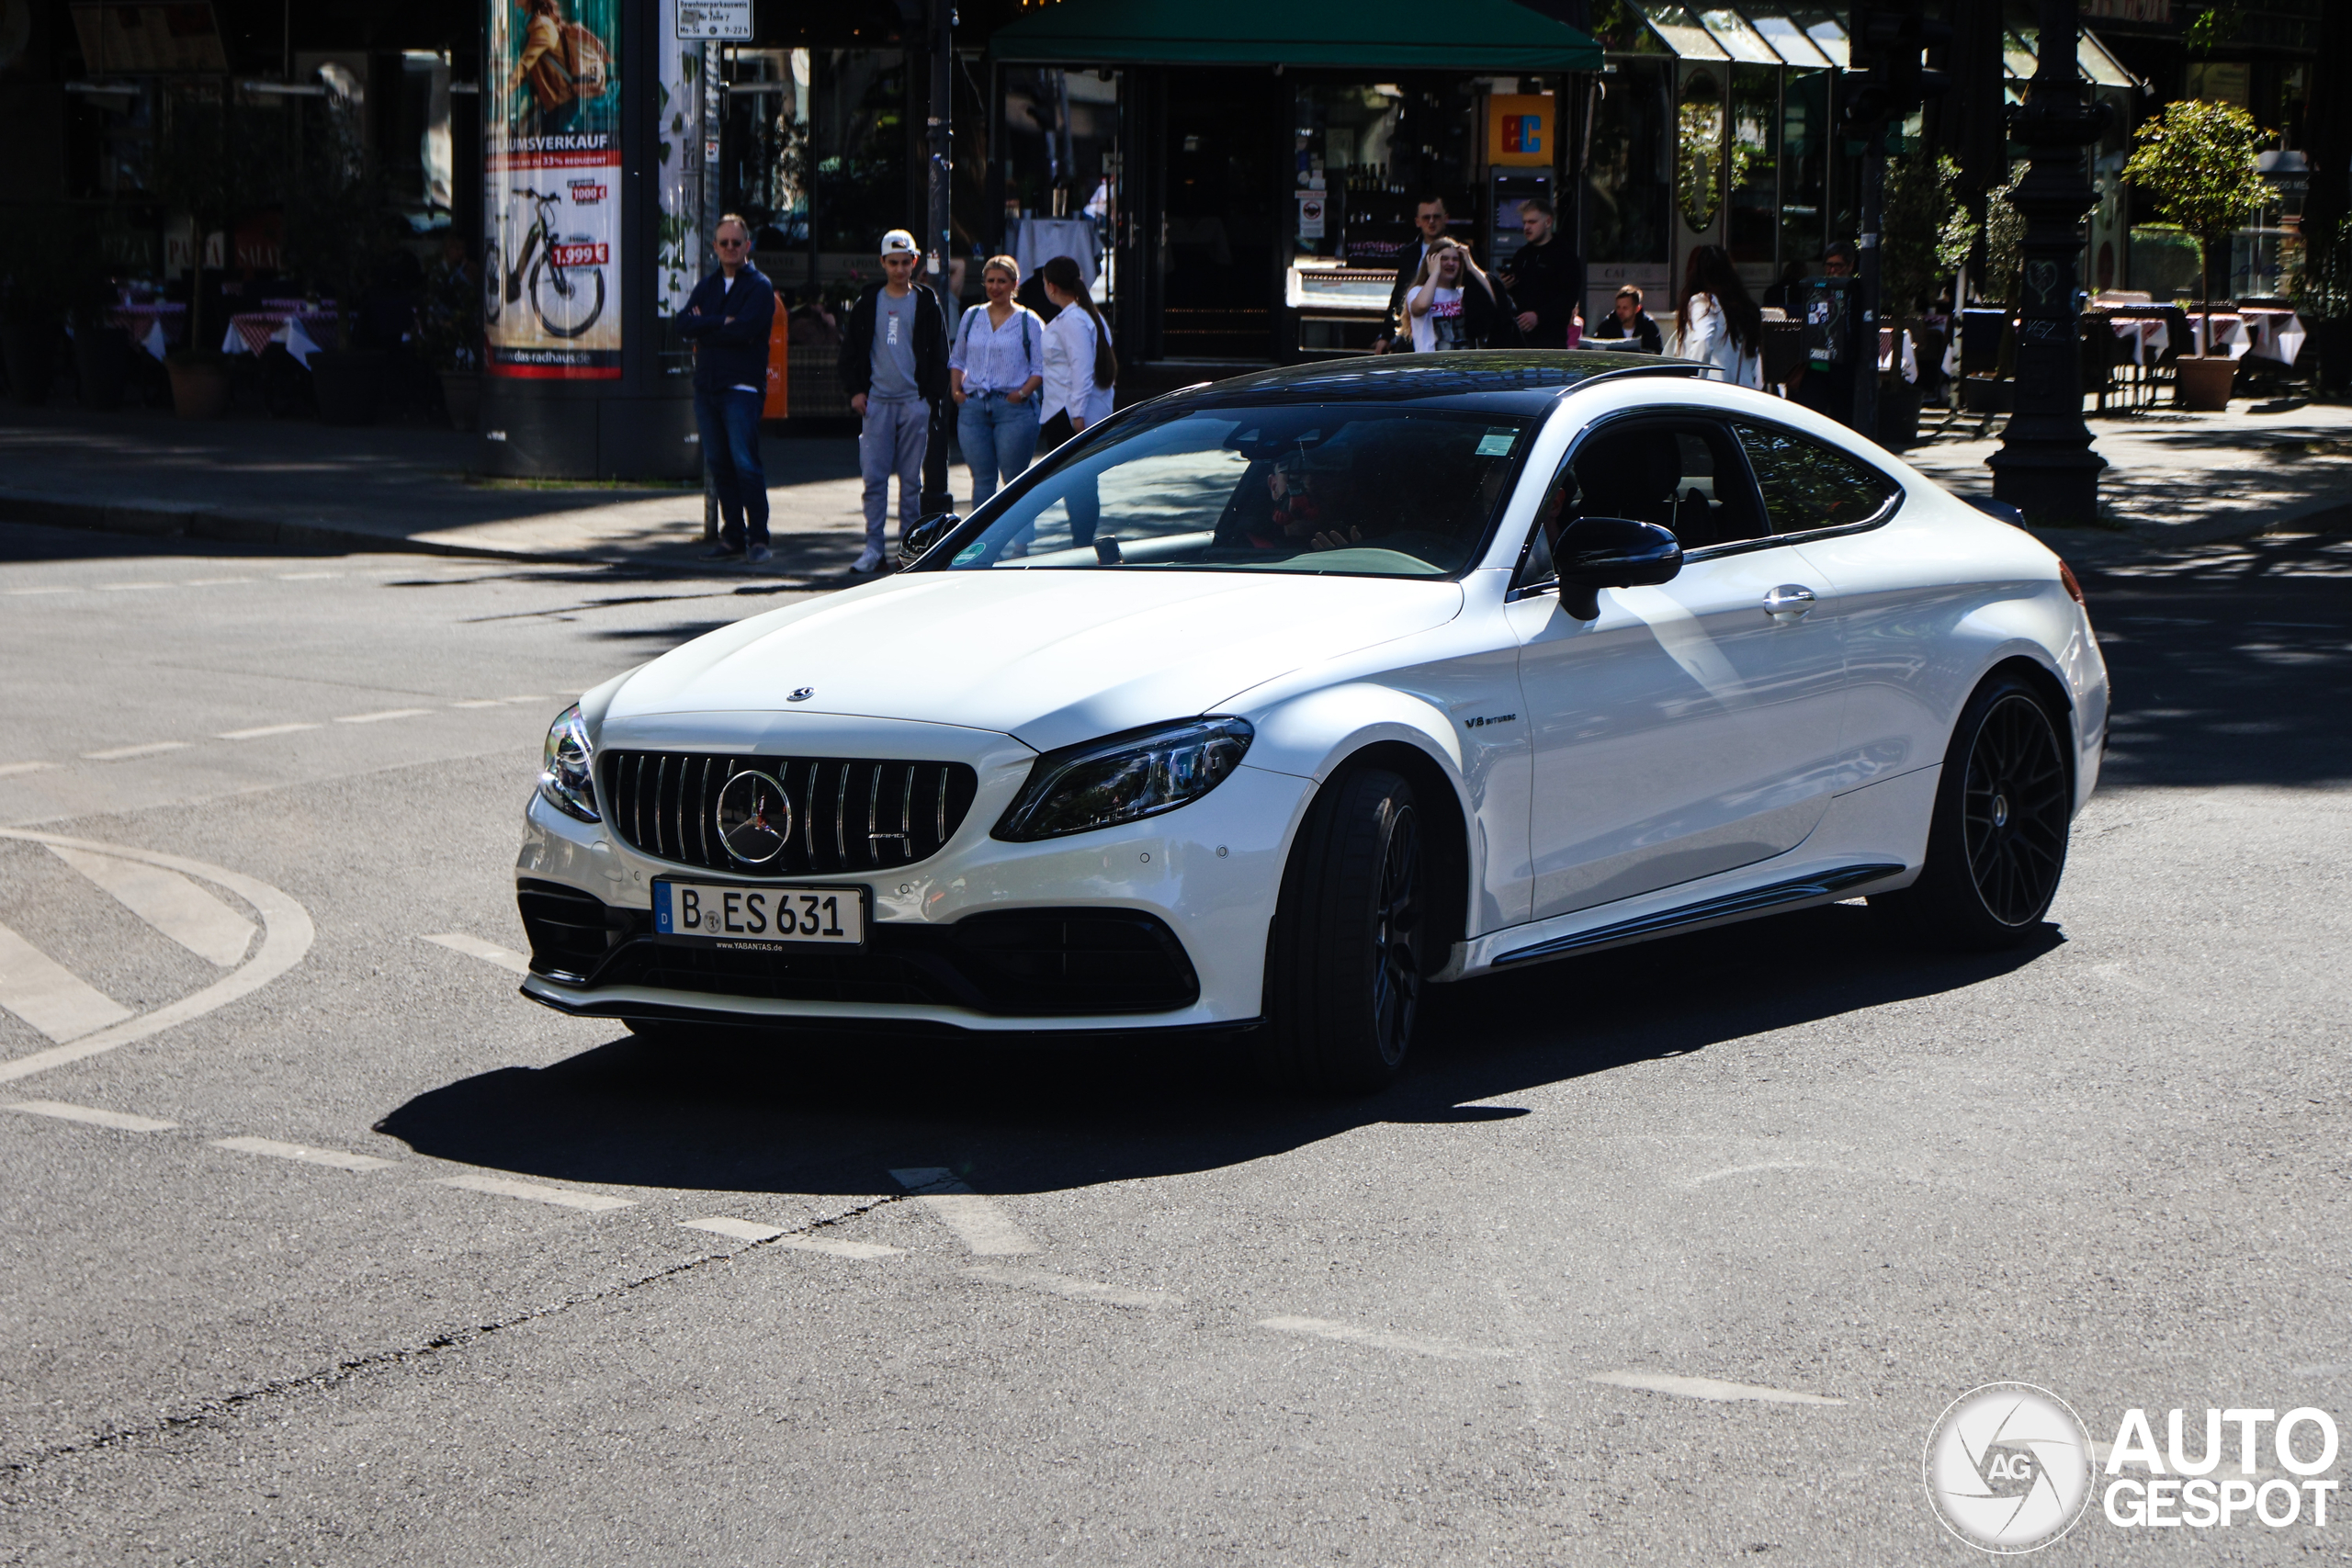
pixel 2257 333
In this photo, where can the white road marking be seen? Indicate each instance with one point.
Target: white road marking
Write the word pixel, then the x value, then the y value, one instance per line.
pixel 130 587
pixel 538 1192
pixel 257 732
pixel 379 718
pixel 7 769
pixel 305 576
pixel 487 951
pixel 303 1153
pixel 153 748
pixel 19 592
pixel 1761 1166
pixel 526 699
pixel 212 581
pixel 985 1228
pixel 1076 1290
pixel 48 996
pixel 861 1250
pixel 170 903
pixel 478 702
pixel 1707 1388
pixel 1378 1339
pixel 741 1230
pixel 287 935
pixel 117 1120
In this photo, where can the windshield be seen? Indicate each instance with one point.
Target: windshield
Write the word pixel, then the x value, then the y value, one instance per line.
pixel 1328 488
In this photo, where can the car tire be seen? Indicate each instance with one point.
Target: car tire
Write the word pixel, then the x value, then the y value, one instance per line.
pixel 1997 844
pixel 1344 962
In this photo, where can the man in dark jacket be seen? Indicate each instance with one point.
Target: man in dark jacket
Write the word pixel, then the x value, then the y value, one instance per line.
pixel 726 319
pixel 1429 218
pixel 1627 321
pixel 1545 278
pixel 894 368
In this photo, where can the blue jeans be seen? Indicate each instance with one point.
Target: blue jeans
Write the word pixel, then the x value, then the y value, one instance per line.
pixel 998 436
pixel 729 424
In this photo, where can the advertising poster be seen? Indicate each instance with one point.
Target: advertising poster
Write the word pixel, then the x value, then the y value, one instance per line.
pixel 551 275
pixel 677 251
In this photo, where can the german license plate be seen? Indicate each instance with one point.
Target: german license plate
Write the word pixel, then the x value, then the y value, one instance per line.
pixel 725 915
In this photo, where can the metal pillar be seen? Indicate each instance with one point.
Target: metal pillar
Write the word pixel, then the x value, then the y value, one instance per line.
pixel 2045 467
pixel 939 241
pixel 714 112
pixel 1863 356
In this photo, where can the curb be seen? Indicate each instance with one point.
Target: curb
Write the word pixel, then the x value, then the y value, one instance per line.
pixel 162 521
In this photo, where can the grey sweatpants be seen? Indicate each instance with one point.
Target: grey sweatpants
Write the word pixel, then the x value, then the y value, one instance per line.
pixel 891 442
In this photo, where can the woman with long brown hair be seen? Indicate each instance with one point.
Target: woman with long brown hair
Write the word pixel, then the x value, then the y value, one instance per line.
pixel 1081 364
pixel 1717 323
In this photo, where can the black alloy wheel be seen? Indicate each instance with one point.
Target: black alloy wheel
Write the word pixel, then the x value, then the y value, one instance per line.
pixel 2013 808
pixel 1996 846
pixel 1345 959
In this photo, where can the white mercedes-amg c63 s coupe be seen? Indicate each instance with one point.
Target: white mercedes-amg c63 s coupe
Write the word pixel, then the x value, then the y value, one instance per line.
pixel 1266 705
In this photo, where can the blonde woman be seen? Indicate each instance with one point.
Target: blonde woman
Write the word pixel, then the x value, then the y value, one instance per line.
pixel 1452 305
pixel 993 373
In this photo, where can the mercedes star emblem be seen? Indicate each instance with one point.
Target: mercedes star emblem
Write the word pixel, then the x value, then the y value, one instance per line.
pixel 801 693
pixel 753 816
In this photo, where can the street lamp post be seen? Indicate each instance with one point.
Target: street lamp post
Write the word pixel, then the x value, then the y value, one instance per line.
pixel 2045 467
pixel 939 242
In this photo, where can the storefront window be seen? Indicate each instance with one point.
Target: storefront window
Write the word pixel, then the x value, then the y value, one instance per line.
pixel 1698 150
pixel 857 148
pixel 1060 151
pixel 1630 170
pixel 1752 233
pixel 767 144
pixel 1804 166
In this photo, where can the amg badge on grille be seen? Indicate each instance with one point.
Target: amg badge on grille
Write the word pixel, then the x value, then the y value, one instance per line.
pixel 753 816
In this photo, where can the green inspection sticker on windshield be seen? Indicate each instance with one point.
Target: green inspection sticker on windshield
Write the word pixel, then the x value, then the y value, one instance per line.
pixel 1497 442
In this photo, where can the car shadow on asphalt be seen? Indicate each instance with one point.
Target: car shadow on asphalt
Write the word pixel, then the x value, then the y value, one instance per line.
pixel 833 1114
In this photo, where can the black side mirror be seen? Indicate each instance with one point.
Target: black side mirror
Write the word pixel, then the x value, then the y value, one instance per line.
pixel 918 540
pixel 1594 553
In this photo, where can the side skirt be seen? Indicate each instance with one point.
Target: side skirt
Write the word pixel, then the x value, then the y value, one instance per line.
pixel 1719 910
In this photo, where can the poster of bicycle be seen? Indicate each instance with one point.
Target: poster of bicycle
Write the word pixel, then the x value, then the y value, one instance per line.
pixel 551 278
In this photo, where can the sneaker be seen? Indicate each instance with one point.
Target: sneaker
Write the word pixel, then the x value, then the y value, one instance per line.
pixel 722 552
pixel 868 560
pixel 760 553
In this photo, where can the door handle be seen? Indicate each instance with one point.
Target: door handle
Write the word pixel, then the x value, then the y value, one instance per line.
pixel 1790 602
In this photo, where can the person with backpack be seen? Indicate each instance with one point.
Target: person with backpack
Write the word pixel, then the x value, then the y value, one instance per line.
pixel 993 373
pixel 894 372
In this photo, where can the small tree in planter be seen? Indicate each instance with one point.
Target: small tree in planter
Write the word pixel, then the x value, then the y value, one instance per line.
pixel 449 328
pixel 335 219
pixel 2197 160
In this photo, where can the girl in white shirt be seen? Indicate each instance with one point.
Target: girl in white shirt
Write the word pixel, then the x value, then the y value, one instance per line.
pixel 1719 325
pixel 1080 365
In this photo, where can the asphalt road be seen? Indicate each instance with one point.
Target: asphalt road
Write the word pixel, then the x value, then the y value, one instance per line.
pixel 1670 1255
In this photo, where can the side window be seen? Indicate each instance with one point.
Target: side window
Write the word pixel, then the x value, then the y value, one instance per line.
pixel 1684 475
pixel 1808 486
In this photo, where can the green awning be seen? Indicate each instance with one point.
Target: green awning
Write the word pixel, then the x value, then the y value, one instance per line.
pixel 1460 35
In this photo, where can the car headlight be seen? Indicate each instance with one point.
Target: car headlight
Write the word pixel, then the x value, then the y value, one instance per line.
pixel 1125 778
pixel 567 775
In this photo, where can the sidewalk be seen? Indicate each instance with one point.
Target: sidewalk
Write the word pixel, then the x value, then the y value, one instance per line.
pixel 2174 479
pixel 298 485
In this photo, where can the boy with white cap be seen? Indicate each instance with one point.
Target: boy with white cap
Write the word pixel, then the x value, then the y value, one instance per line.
pixel 894 368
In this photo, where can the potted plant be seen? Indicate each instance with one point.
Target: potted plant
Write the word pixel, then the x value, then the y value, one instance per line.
pixel 335 215
pixel 2197 160
pixel 210 163
pixel 449 328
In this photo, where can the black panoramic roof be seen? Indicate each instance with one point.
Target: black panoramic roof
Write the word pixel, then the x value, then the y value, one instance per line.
pixel 1523 381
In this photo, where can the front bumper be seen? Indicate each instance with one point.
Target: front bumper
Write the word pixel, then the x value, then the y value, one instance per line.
pixel 1157 924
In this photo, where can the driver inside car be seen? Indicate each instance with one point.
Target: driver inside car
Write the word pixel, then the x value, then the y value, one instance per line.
pixel 1306 496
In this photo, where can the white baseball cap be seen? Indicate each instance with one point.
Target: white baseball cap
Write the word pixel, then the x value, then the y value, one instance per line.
pixel 898 242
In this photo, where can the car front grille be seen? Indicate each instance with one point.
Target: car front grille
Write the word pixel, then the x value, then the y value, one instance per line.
pixel 848 815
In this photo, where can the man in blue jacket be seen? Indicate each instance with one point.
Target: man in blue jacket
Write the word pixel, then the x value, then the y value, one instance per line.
pixel 726 319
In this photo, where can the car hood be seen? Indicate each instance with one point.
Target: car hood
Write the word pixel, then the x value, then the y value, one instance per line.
pixel 1052 658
